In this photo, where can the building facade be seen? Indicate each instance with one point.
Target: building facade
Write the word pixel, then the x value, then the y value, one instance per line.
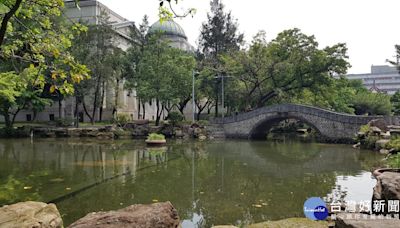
pixel 383 78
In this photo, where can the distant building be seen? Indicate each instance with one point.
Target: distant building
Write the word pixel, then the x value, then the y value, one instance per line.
pixel 173 33
pixel 383 79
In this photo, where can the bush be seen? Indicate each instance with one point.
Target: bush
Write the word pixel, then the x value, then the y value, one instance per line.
pixel 155 136
pixel 394 161
pixel 122 119
pixel 203 122
pixel 369 142
pixel 175 118
pixel 365 128
pixel 393 144
pixel 64 122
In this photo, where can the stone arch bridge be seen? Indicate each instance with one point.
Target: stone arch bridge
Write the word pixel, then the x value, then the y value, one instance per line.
pixel 332 126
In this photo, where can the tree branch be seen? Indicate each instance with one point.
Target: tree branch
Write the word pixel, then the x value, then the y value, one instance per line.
pixel 6 19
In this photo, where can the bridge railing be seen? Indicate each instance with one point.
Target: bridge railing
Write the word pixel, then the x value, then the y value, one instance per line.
pixel 327 114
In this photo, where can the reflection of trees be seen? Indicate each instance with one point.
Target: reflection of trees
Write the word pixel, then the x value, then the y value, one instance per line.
pixel 201 178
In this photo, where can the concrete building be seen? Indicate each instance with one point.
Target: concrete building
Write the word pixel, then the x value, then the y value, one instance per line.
pixel 383 78
pixel 90 12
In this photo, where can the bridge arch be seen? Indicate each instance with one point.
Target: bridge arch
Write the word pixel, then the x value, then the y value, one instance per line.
pixel 332 126
pixel 261 129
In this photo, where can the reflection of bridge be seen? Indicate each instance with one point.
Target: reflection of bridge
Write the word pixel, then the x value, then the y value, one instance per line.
pixel 332 126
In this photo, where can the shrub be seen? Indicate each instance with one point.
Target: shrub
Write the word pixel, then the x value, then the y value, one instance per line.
pixel 122 119
pixel 394 161
pixel 365 128
pixel 203 122
pixel 155 136
pixel 64 122
pixel 393 144
pixel 369 142
pixel 175 118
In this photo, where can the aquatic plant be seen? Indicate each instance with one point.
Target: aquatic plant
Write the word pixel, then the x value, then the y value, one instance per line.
pixel 155 136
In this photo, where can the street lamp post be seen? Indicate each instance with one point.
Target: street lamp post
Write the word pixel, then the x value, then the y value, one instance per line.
pixel 194 73
pixel 223 94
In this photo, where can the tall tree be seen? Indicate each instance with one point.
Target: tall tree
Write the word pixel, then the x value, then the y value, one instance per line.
pixel 285 66
pixel 219 35
pixel 96 49
pixel 162 74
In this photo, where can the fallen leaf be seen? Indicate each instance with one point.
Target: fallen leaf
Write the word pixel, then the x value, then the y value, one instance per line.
pixel 155 201
pixel 257 205
pixel 68 189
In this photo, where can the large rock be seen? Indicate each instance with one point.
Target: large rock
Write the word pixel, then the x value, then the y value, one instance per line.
pixel 291 222
pixel 158 215
pixel 379 123
pixel 357 220
pixel 30 215
pixel 376 130
pixel 387 185
pixel 381 144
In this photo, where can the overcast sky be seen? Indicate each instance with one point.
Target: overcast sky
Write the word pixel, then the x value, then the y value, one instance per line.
pixel 369 27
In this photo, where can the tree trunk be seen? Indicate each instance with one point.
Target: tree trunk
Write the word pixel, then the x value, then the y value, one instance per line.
pixel 102 101
pixel 7 120
pixel 115 109
pixel 87 112
pixel 6 19
pixel 77 112
pixel 144 110
pixel 158 116
pixel 95 101
pixel 59 109
pixel 139 106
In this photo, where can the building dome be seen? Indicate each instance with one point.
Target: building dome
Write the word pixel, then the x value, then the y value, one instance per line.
pixel 169 27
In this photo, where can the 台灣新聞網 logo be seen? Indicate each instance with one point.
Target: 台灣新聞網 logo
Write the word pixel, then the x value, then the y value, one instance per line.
pixel 315 209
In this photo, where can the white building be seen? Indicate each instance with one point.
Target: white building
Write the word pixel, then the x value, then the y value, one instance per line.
pixel 382 78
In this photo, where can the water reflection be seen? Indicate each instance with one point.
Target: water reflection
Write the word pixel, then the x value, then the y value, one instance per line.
pixel 208 182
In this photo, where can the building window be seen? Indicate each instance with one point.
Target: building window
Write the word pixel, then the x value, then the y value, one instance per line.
pixel 28 117
pixel 51 117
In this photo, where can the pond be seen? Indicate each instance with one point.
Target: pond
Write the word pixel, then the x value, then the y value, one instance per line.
pixel 210 183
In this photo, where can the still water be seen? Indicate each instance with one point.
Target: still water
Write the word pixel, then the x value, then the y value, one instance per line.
pixel 210 183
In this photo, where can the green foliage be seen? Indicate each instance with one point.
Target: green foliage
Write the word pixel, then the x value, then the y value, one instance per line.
pixel 97 50
pixel 365 128
pixel 394 161
pixel 64 122
pixel 395 100
pixel 290 67
pixel 175 118
pixel 155 136
pixel 371 103
pixel 161 73
pixel 202 122
pixel 393 144
pixel 35 56
pixel 122 119
pixel 369 142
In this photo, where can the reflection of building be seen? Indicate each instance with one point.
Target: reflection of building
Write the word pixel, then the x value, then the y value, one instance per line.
pixel 90 12
pixel 385 79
